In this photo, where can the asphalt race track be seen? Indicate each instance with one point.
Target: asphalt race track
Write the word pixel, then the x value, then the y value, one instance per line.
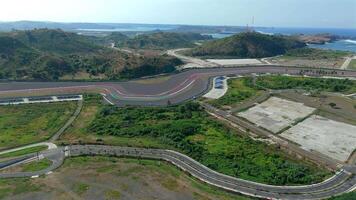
pixel 174 89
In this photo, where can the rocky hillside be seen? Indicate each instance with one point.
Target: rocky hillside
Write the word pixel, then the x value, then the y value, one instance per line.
pixel 247 45
pixel 45 54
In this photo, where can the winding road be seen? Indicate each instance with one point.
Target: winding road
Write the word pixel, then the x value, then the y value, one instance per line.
pixel 343 181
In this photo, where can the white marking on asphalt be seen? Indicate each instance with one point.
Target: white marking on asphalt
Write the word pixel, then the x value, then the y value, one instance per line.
pixel 107 100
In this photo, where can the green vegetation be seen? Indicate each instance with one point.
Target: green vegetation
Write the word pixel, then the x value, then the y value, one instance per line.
pixel 112 194
pixel 239 90
pixel 347 196
pixel 163 40
pixel 36 165
pixel 78 132
pixel 315 54
pixel 247 45
pixel 11 187
pixel 23 152
pixel 189 129
pixel 352 64
pixel 80 188
pixel 44 54
pixel 31 123
pixel 318 84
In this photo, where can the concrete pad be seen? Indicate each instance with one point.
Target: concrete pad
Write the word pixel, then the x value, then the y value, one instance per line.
pixel 235 61
pixel 215 93
pixel 275 114
pixel 334 139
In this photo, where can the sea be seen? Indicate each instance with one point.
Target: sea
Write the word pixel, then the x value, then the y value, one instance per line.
pixel 343 45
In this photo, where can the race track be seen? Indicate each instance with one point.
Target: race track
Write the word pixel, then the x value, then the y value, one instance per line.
pixel 174 89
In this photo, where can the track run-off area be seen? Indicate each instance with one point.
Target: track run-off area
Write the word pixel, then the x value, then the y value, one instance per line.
pixel 175 89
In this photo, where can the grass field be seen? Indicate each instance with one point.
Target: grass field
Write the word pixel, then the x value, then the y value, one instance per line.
pixel 240 89
pixel 113 178
pixel 352 64
pixel 36 165
pixel 31 123
pixel 312 84
pixel 190 130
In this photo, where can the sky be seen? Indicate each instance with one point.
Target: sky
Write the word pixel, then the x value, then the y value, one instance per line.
pixel 270 13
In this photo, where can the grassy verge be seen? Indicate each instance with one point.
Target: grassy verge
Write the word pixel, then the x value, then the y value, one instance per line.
pixel 240 89
pixel 190 130
pixel 312 84
pixel 31 123
pixel 347 196
pixel 24 152
pixel 36 165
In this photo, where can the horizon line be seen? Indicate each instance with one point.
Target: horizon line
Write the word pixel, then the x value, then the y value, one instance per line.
pixel 178 24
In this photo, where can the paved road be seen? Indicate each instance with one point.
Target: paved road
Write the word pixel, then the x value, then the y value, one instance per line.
pixel 174 89
pixel 342 182
pixel 48 144
pixel 347 62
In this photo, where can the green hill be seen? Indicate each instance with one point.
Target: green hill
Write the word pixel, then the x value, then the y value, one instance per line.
pixel 247 45
pixel 163 40
pixel 53 54
pixel 55 41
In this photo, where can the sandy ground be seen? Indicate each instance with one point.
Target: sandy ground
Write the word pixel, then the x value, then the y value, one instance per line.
pixel 275 114
pixel 334 139
pixel 215 93
pixel 235 61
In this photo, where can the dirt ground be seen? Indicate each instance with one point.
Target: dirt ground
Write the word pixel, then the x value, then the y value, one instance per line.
pixel 276 114
pixel 334 63
pixel 344 111
pixel 113 178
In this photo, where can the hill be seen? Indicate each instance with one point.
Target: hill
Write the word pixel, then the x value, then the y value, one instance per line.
pixel 247 45
pixel 45 54
pixel 55 41
pixel 163 40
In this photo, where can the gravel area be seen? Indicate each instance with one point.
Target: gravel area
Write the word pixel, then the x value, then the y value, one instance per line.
pixel 275 114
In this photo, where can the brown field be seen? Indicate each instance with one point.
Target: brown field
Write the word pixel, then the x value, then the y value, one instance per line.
pixel 112 178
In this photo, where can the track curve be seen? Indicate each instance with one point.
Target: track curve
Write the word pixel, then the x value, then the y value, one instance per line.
pixel 174 89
